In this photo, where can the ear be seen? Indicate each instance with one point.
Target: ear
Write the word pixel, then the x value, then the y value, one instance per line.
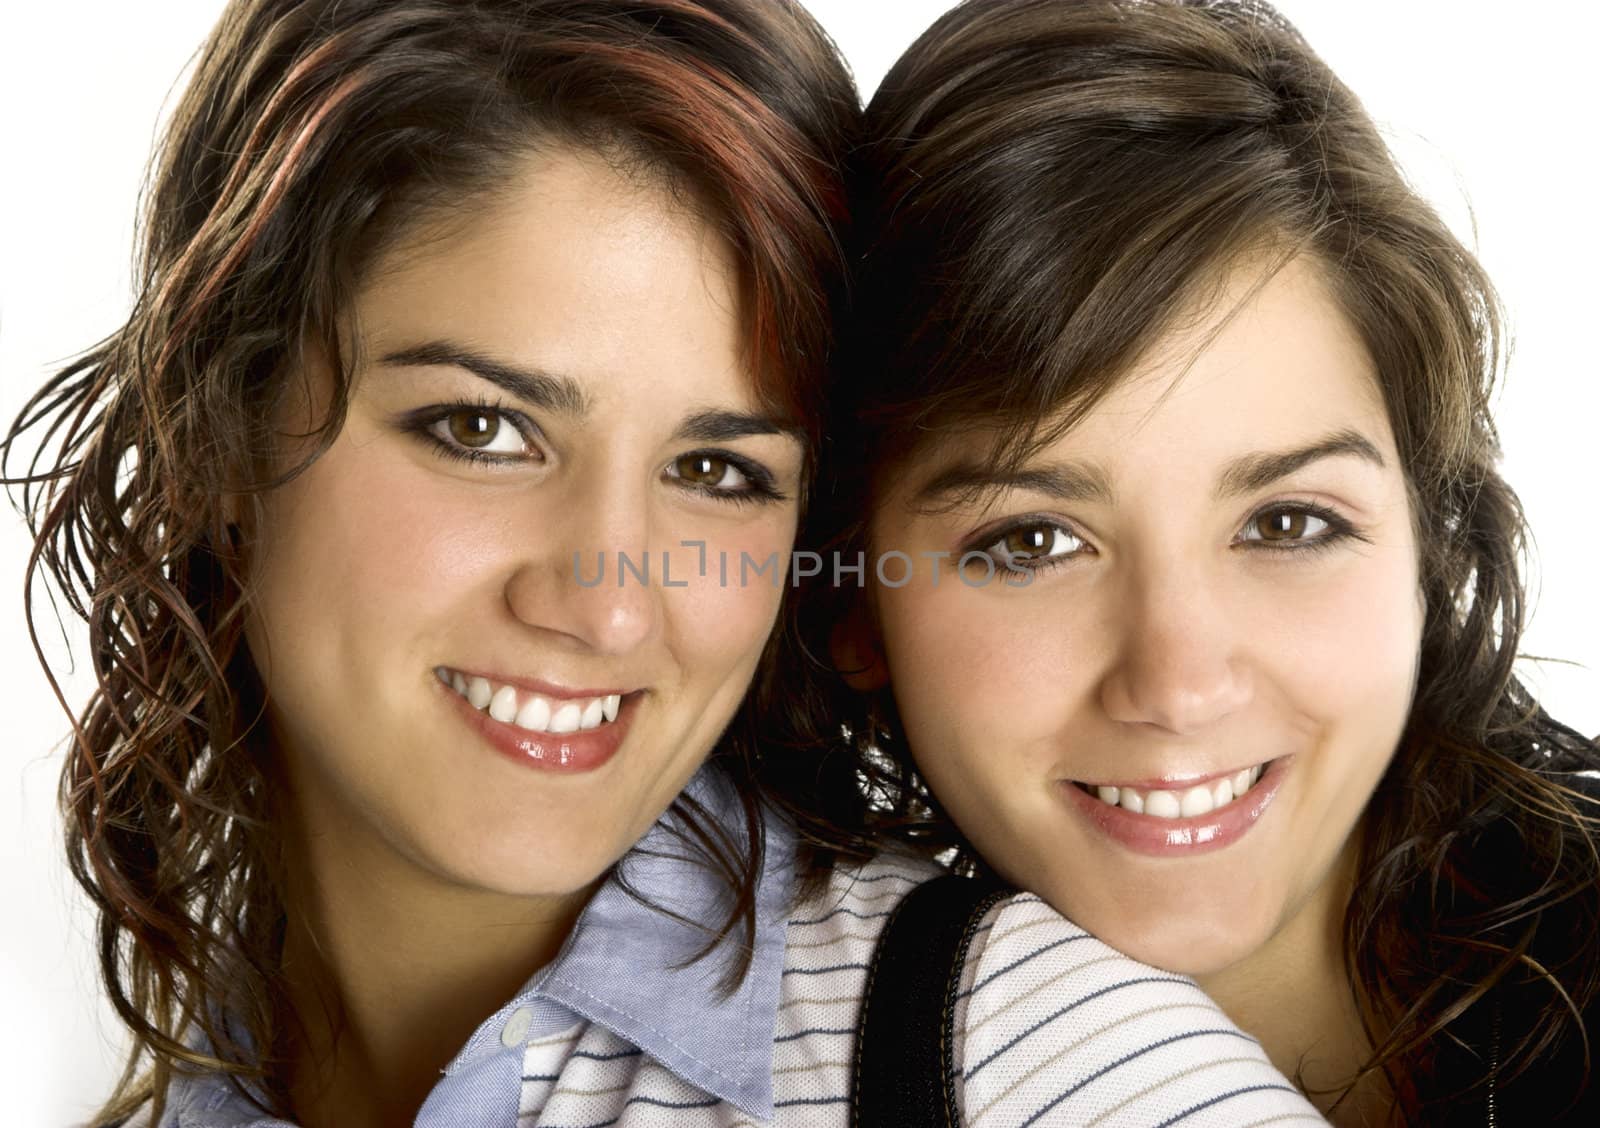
pixel 856 650
pixel 236 512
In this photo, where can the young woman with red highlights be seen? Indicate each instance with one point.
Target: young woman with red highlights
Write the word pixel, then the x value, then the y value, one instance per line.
pixel 434 297
pixel 401 798
pixel 1187 390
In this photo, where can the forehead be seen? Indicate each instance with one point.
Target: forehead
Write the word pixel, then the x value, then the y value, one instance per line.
pixel 578 264
pixel 1268 356
pixel 1264 360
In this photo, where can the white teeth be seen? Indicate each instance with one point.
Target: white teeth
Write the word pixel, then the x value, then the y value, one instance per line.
pixel 503 706
pixel 535 715
pixel 1195 802
pixel 566 719
pixel 1190 803
pixel 1162 804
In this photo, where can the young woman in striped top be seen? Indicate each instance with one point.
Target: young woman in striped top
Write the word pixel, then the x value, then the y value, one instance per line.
pixel 1169 397
pixel 429 516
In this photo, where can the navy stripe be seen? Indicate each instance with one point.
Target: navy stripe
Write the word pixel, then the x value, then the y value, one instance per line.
pixel 659 1103
pixel 592 1056
pixel 976 987
pixel 814 1030
pixel 1103 1070
pixel 541 1076
pixel 836 912
pixel 969 1074
pixel 1225 1096
pixel 825 970
pixel 809 1101
pixel 597 1124
pixel 915 880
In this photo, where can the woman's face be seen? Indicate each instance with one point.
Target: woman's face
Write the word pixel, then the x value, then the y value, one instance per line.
pixel 1170 730
pixel 552 377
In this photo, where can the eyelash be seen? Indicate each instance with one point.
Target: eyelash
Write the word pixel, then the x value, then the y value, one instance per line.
pixel 421 422
pixel 762 486
pixel 1339 529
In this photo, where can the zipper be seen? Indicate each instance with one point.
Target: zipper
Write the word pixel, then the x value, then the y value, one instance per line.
pixel 1494 1061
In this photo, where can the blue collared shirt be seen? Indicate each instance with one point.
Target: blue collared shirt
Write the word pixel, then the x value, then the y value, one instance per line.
pixel 624 967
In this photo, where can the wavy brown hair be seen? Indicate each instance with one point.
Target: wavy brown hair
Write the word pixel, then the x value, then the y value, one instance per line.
pixel 313 133
pixel 1044 186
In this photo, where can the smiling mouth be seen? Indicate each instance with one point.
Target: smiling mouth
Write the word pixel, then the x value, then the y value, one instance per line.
pixel 531 711
pixel 1179 802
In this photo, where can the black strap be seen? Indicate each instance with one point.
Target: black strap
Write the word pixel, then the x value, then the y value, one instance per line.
pixel 903 1068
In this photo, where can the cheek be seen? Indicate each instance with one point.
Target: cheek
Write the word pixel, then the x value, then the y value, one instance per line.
pixel 976 671
pixel 363 538
pixel 1350 648
pixel 721 620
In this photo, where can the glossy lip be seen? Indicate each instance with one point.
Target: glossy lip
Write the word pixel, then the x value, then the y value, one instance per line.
pixel 1180 838
pixel 566 753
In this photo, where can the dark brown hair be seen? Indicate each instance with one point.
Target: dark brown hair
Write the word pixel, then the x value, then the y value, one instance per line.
pixel 312 134
pixel 1043 186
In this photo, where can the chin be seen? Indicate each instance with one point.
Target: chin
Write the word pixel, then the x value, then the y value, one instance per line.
pixel 1185 943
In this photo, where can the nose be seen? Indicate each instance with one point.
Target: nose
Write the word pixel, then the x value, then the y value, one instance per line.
pixel 588 576
pixel 1180 663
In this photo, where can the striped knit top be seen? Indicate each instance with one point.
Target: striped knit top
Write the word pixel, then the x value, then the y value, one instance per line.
pixel 1052 1027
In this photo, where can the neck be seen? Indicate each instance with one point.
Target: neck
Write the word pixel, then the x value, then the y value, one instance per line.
pixel 390 968
pixel 1294 994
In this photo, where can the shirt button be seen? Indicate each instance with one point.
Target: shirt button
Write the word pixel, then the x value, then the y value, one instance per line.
pixel 515 1032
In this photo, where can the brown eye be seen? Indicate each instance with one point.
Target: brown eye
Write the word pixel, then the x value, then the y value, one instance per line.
pixel 1286 526
pixel 480 430
pixel 473 428
pixel 709 472
pixel 702 469
pixel 1028 544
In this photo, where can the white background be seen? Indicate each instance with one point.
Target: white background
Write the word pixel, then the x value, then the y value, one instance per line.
pixel 1490 107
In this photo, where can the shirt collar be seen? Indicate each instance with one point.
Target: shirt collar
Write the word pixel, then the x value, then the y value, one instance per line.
pixel 626 967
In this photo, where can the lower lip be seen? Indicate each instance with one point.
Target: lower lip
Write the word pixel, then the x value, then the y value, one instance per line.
pixel 567 753
pixel 1181 838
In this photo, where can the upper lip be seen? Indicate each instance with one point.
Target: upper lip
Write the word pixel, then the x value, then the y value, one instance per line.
pixel 539 686
pixel 1173 781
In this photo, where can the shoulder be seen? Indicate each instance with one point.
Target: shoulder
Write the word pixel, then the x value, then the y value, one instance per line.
pixel 840 923
pixel 1054 1026
pixel 832 935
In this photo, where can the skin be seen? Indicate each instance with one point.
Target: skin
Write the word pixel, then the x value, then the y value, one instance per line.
pixel 428 874
pixel 1169 638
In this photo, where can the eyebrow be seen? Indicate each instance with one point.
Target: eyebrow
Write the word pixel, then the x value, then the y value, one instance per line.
pixel 1064 481
pixel 1255 472
pixel 721 426
pixel 1085 482
pixel 554 393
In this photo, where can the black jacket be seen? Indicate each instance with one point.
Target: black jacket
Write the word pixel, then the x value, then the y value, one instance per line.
pixel 1559 1090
